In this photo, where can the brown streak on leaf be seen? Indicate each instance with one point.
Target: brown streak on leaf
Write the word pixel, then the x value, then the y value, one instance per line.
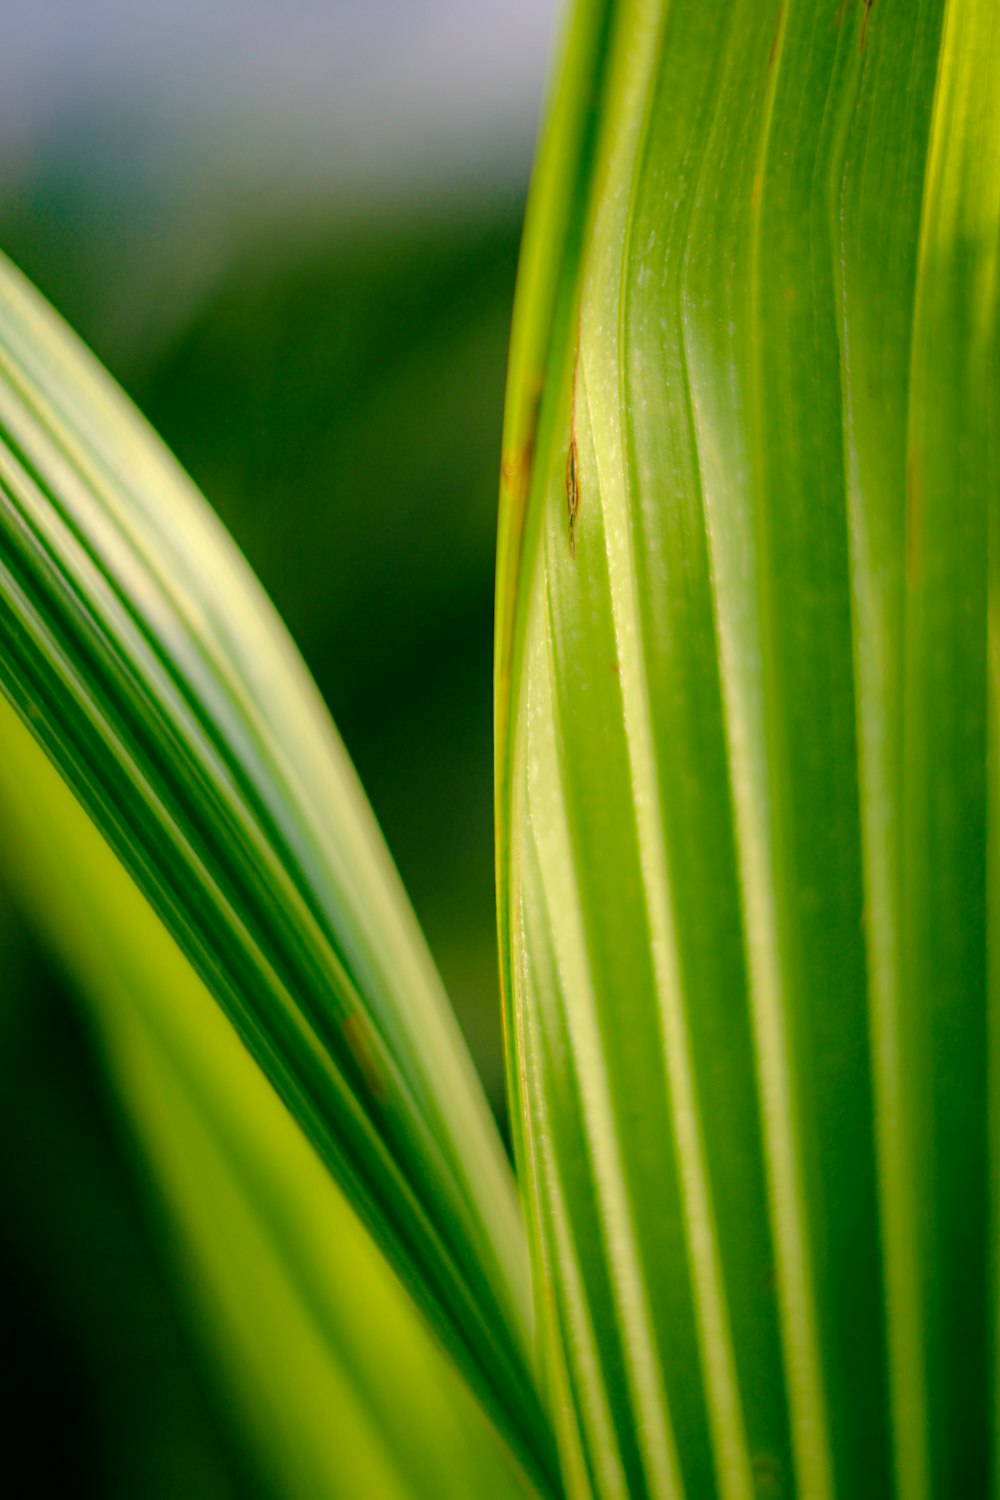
pixel 573 465
pixel 572 492
pixel 864 24
pixel 356 1035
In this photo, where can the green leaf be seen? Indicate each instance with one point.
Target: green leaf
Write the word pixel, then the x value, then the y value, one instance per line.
pixel 144 657
pixel 742 785
pixel 343 1389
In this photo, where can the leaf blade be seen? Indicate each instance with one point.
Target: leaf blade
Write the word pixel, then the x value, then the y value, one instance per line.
pixel 304 1310
pixel 723 697
pixel 140 649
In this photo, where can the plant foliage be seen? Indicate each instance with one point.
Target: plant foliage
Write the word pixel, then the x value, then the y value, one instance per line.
pixel 745 729
pixel 747 790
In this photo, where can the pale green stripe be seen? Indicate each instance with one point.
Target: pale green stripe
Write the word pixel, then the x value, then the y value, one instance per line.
pixel 581 1348
pixel 547 816
pixel 878 786
pixel 962 204
pixel 742 643
pixel 733 1467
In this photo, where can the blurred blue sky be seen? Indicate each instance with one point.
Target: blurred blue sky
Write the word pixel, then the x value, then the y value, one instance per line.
pixel 145 143
pixel 241 97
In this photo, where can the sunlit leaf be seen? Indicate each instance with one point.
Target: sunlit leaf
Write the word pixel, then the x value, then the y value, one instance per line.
pixel 144 657
pixel 742 790
pixel 344 1391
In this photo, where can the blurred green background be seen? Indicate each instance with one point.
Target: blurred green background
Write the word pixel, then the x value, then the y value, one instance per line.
pixel 291 233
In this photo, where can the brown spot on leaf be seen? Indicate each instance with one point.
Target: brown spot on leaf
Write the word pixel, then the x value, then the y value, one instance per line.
pixel 515 467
